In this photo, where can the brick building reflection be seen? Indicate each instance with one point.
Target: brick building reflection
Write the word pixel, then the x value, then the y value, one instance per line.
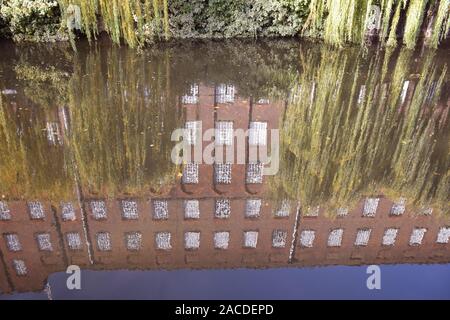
pixel 214 217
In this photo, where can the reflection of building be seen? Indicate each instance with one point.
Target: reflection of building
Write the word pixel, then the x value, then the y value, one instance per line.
pixel 217 216
pixel 222 109
pixel 40 230
pixel 177 233
pixel 158 233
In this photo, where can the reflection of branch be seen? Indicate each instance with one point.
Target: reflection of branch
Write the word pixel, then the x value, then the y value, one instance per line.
pixel 115 121
pixel 46 87
pixel 343 147
pixel 29 166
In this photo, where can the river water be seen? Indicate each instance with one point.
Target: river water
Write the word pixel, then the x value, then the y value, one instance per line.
pixel 301 166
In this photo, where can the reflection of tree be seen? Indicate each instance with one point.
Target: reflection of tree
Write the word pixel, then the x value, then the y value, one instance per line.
pixel 256 69
pixel 29 166
pixel 123 113
pixel 356 137
pixel 43 83
pixel 120 110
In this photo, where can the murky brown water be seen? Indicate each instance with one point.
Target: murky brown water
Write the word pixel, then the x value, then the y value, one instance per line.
pixel 87 177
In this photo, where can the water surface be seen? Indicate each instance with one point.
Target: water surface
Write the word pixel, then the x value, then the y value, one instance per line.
pixel 87 177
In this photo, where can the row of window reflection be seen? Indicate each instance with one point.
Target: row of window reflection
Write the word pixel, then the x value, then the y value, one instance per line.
pixel 224 133
pixel 252 209
pixel 335 236
pixel 192 239
pixel 160 210
pixel 163 240
pixel 370 209
pixel 133 241
pixel 362 91
pixel 224 93
pixel 192 209
pixel 222 173
pixel 222 209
